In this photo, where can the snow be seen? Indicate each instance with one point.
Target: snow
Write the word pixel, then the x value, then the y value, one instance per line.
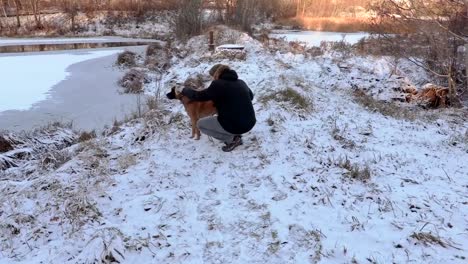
pixel 314 38
pixel 26 79
pixel 230 46
pixel 282 197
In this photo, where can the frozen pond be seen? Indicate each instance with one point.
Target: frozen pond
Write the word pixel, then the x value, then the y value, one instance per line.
pixel 65 46
pixel 27 79
pixel 313 38
pixel 78 86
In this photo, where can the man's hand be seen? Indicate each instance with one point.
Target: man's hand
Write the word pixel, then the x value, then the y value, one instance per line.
pixel 190 93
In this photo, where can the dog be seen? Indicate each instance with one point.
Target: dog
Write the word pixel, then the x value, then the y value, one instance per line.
pixel 195 110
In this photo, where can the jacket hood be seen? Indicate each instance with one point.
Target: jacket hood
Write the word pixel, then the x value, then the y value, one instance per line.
pixel 229 75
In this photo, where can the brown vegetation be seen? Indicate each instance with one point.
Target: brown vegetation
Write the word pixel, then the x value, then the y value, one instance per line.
pixel 85 136
pixel 290 96
pixel 126 58
pixel 431 96
pixel 158 57
pixel 133 81
pixel 5 145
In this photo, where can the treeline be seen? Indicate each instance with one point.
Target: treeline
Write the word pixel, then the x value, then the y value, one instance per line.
pixel 190 16
pixel 227 10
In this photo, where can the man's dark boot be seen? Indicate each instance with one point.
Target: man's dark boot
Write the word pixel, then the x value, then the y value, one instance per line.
pixel 237 141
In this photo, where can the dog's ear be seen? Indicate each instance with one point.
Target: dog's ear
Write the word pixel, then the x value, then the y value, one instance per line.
pixel 172 95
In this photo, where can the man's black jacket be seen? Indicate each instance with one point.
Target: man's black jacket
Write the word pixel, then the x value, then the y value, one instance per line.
pixel 233 100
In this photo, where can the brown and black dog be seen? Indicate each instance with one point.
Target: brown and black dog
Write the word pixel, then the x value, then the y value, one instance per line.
pixel 195 110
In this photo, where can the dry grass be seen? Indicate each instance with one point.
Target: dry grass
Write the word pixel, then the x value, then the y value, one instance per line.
pixel 356 172
pixel 154 49
pixel 5 145
pixel 116 127
pixel 290 96
pixel 152 102
pixel 339 135
pixel 429 239
pixel 158 58
pixel 85 136
pixel 126 58
pixel 383 107
pixel 133 81
pixel 80 210
pixel 55 159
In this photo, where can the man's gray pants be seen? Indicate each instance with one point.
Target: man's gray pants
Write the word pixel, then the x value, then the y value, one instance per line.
pixel 210 126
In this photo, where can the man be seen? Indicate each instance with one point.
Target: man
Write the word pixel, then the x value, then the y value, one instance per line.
pixel 233 100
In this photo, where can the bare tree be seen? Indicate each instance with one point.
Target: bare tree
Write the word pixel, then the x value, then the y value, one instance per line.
pixel 246 13
pixel 5 23
pixel 18 10
pixel 188 21
pixel 71 8
pixel 35 8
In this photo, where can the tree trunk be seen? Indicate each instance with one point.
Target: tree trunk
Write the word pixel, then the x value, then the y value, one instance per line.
pixel 452 87
pixel 35 10
pixel 466 62
pixel 6 17
pixel 298 8
pixel 303 9
pixel 18 21
pixel 73 23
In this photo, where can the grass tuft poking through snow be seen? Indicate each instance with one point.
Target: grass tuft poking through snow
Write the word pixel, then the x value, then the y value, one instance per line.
pixel 291 97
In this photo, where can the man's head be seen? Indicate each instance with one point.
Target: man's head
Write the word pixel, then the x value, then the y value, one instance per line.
pixel 214 69
pixel 217 70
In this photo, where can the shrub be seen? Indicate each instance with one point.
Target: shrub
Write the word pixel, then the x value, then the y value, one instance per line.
pixel 5 145
pixel 85 136
pixel 154 49
pixel 126 58
pixel 152 102
pixel 133 81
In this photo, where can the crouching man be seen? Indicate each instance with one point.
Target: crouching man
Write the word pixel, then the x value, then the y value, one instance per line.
pixel 233 100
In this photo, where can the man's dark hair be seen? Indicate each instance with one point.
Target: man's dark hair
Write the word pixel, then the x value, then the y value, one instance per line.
pixel 214 69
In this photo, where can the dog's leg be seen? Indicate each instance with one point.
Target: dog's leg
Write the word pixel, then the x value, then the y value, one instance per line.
pixel 197 131
pixel 193 122
pixel 197 117
pixel 194 129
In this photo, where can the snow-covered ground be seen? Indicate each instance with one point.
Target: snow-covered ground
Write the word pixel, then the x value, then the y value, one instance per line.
pixel 314 38
pixel 330 181
pixel 27 79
